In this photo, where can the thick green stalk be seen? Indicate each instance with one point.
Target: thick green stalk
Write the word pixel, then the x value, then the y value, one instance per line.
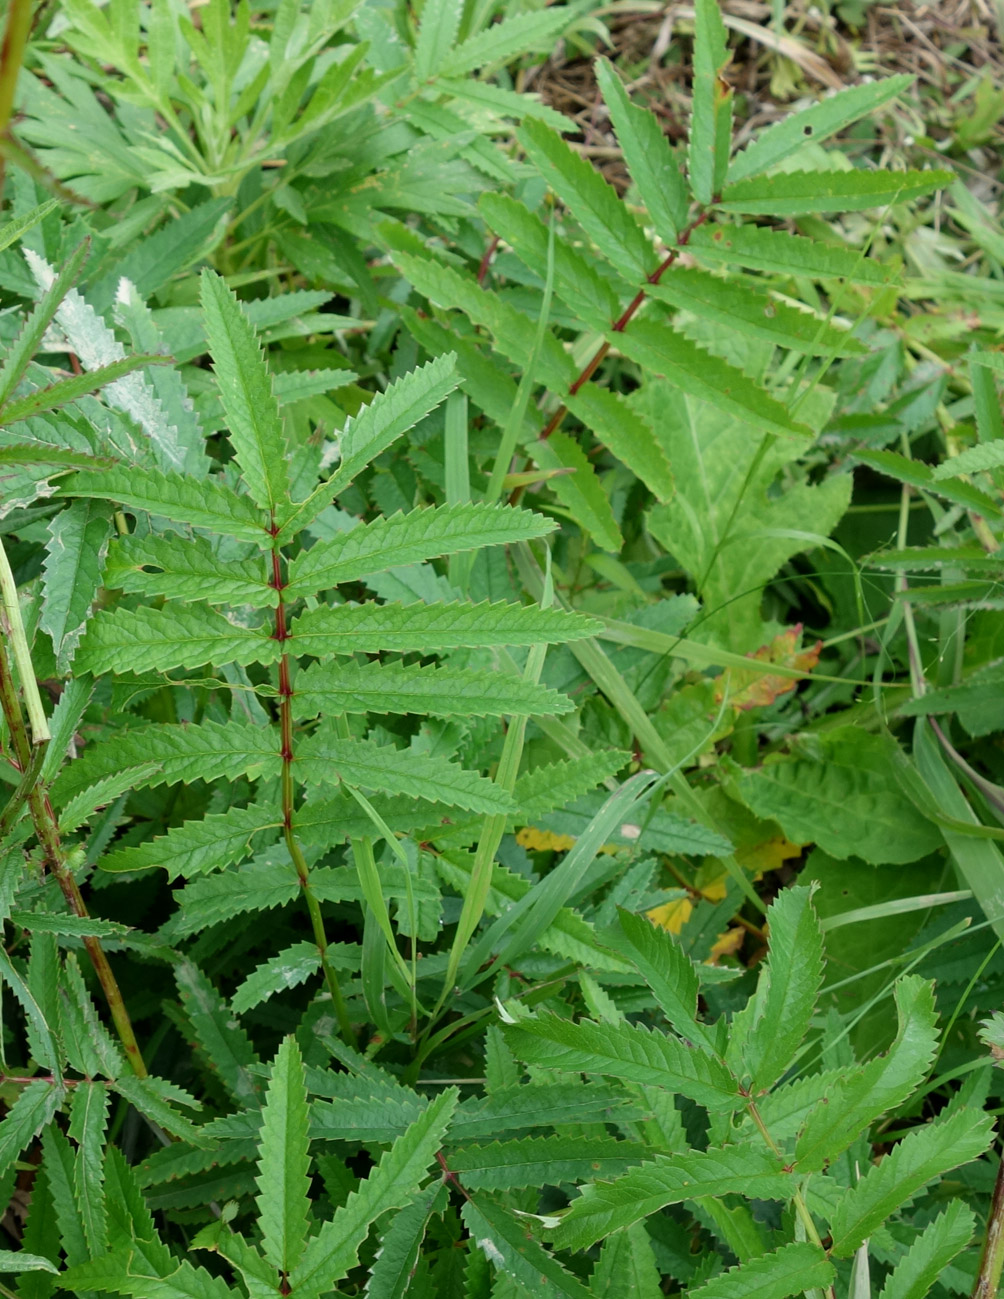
pixel 288 805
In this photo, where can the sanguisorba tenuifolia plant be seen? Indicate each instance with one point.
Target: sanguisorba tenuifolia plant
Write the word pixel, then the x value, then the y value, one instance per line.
pixel 290 713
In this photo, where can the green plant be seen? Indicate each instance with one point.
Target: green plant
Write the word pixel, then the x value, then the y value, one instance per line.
pixel 421 763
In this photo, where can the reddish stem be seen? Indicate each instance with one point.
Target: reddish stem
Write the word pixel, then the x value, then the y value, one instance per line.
pixel 623 320
pixel 486 260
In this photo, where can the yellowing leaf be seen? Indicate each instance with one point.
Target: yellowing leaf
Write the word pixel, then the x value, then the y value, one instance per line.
pixel 726 944
pixel 769 855
pixel 543 840
pixel 749 689
pixel 672 915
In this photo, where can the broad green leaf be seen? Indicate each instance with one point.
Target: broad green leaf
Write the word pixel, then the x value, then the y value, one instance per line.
pixel 794 1269
pixel 445 691
pixel 766 1035
pixel 918 474
pixel 929 1255
pixel 661 350
pixel 437 32
pixel 88 1122
pixel 209 751
pixel 926 1153
pixel 814 124
pixel 576 280
pixel 605 1207
pixel 649 158
pixel 668 971
pixel 145 639
pixel 57 395
pixel 861 1096
pixel 590 199
pixel 223 1044
pixel 209 504
pixel 389 415
pixel 283 1162
pixel 627 1051
pixel 539 1105
pixel 848 800
pixel 411 538
pixel 715 528
pixel 153 1097
pixel 627 434
pixel 711 112
pixel 287 969
pixel 511 1248
pixel 324 758
pixel 333 1252
pixel 797 193
pixel 78 538
pixel 196 846
pixel 515 35
pixel 431 628
pixel 778 252
pixel 745 310
pixel 33 1110
pixel 536 1161
pixel 186 568
pixel 581 492
pixel 249 403
pixel 627 1268
pixel 974 460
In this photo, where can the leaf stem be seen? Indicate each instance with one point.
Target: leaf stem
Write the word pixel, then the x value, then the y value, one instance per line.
pixel 992 1258
pixel 47 831
pixel 15 39
pixel 798 1200
pixel 293 847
